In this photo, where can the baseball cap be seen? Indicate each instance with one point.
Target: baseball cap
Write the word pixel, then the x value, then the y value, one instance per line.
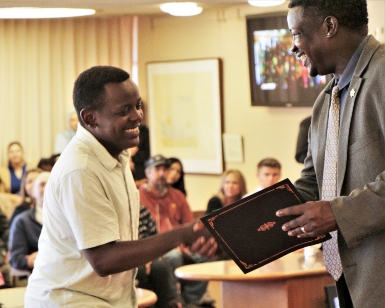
pixel 156 160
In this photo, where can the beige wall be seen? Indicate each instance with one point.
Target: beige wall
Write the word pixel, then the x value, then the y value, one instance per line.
pixel 222 34
pixel 376 11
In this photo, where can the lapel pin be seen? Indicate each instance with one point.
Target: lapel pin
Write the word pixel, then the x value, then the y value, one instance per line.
pixel 352 92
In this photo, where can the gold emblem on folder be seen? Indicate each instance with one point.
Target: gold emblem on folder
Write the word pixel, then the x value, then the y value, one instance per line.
pixel 267 226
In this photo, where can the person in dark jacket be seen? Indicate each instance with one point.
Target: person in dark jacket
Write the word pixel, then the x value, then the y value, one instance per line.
pixel 26 229
pixel 302 144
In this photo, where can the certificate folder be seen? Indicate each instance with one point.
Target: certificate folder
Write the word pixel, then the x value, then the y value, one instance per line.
pixel 250 232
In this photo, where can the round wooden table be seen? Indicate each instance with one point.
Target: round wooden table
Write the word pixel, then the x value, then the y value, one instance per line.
pixel 288 282
pixel 145 297
pixel 14 297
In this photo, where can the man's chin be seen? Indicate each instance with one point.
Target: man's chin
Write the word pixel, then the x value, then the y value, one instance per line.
pixel 161 186
pixel 132 143
pixel 312 71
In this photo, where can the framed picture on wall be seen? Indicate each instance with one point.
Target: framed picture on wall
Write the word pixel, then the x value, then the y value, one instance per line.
pixel 185 117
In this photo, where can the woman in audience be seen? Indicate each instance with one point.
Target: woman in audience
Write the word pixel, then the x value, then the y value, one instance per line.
pixel 26 229
pixel 26 192
pixel 175 174
pixel 231 189
pixel 13 174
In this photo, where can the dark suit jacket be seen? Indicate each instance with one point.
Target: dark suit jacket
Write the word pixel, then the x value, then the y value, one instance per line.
pixel 360 209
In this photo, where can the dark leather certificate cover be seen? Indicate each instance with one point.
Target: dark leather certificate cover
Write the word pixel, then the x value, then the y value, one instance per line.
pixel 250 232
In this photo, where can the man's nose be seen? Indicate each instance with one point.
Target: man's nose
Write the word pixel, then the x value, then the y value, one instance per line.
pixel 137 115
pixel 162 172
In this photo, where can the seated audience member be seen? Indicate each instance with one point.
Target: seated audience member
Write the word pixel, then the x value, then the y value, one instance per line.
pixel 2 185
pixel 26 192
pixel 268 173
pixel 26 229
pixel 54 158
pixel 139 181
pixel 302 140
pixel 175 174
pixel 64 137
pixel 232 188
pixel 12 175
pixel 156 275
pixel 4 236
pixel 140 153
pixel 8 203
pixel 169 207
pixel 45 164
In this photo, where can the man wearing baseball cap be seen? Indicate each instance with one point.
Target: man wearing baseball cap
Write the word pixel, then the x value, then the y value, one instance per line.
pixel 169 209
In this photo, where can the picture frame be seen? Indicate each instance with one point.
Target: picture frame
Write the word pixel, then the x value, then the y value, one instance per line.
pixel 185 113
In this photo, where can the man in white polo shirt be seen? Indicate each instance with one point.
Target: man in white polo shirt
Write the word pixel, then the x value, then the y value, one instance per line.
pixel 88 248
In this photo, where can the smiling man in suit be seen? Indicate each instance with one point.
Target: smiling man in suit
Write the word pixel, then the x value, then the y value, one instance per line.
pixel 331 37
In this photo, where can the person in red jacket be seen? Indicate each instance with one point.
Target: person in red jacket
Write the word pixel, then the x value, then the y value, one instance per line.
pixel 169 208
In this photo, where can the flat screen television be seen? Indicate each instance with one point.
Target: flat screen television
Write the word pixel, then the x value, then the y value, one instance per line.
pixel 277 76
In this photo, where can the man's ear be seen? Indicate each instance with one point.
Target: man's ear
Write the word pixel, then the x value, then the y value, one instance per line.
pixel 331 25
pixel 147 172
pixel 88 118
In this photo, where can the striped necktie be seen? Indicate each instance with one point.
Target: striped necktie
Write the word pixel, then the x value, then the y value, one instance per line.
pixel 329 183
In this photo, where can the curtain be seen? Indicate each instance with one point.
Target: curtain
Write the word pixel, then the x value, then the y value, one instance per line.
pixel 39 62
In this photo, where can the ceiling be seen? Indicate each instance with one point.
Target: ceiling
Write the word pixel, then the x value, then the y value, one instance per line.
pixel 116 7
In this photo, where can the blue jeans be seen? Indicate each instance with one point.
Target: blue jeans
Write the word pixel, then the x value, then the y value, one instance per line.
pixel 161 280
pixel 192 291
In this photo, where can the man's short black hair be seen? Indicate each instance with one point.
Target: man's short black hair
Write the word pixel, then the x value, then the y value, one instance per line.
pixel 89 91
pixel 351 14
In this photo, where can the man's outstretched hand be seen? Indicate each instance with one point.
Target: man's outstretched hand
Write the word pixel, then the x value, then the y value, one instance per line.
pixel 205 246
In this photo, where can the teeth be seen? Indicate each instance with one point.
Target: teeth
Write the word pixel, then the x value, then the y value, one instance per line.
pixel 133 129
pixel 303 57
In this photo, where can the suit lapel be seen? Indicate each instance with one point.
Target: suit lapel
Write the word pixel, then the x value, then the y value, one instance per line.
pixel 353 93
pixel 343 138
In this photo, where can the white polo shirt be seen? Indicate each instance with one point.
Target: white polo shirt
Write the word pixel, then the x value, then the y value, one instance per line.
pixel 90 200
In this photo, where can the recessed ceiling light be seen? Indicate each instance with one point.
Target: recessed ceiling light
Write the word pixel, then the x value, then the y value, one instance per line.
pixel 181 8
pixel 34 12
pixel 266 2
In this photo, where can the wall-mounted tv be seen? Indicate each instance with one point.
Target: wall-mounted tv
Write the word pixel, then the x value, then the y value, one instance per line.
pixel 277 76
